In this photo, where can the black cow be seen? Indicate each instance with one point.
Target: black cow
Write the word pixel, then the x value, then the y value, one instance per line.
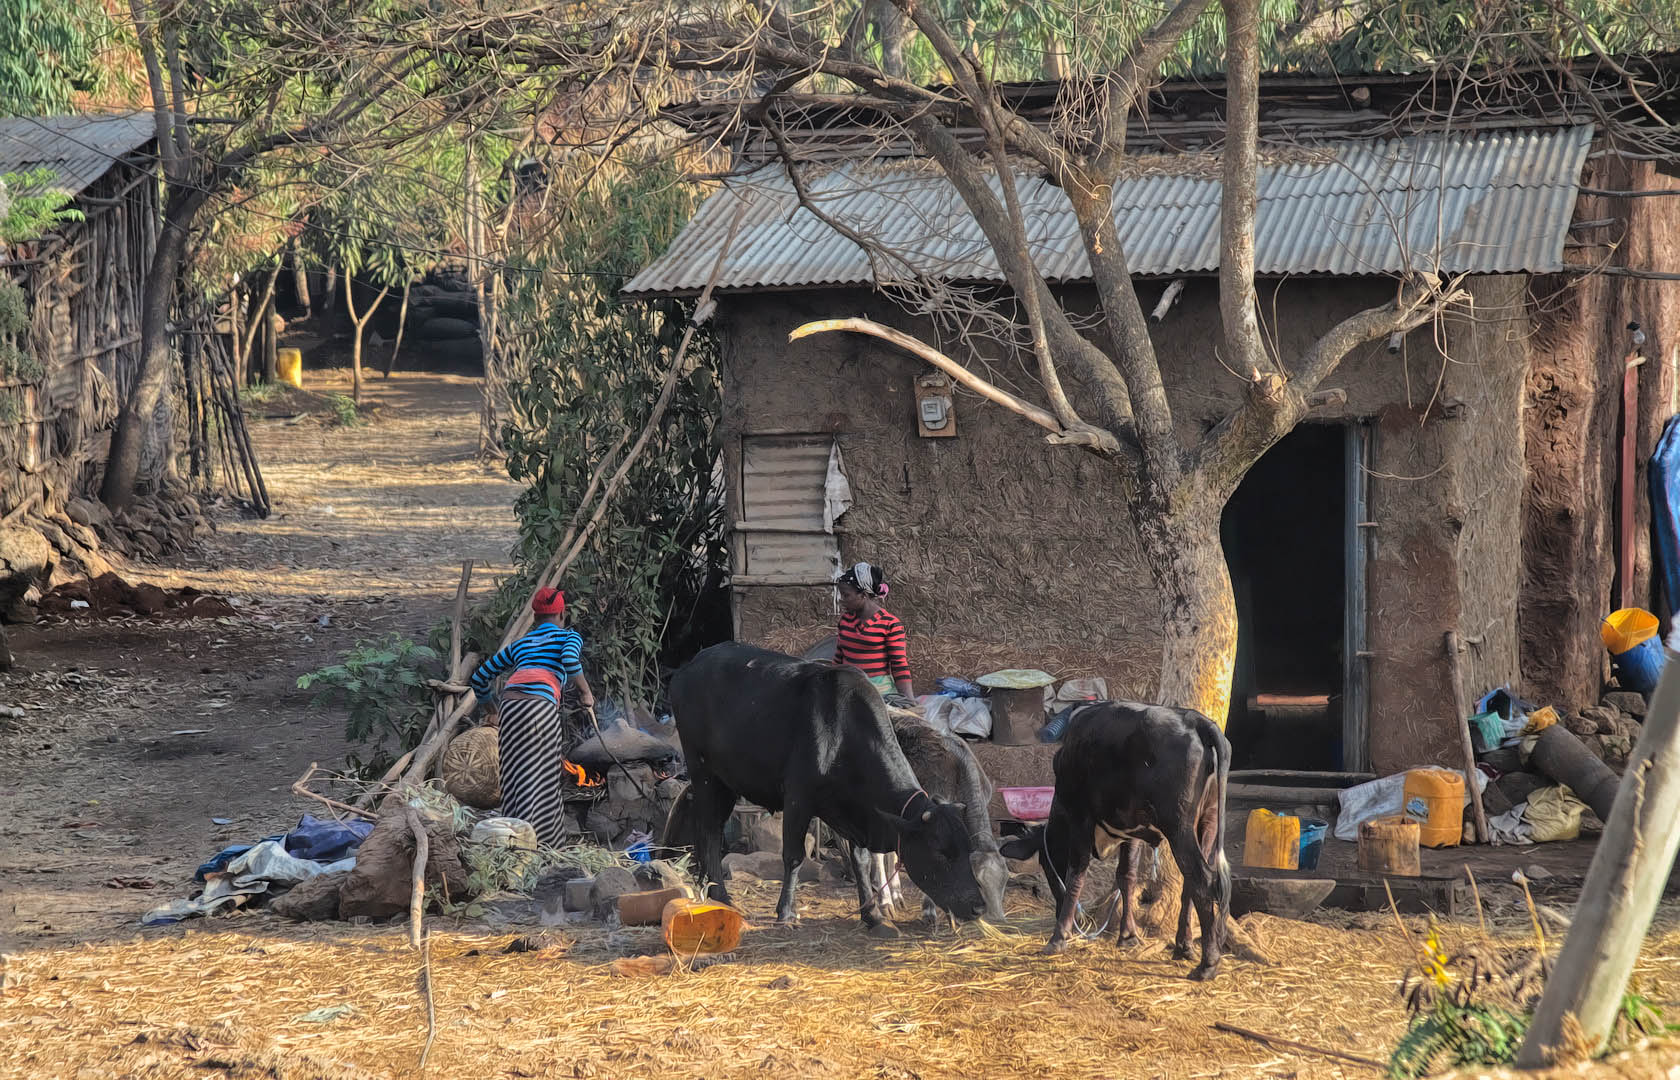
pixel 947 770
pixel 812 740
pixel 1129 773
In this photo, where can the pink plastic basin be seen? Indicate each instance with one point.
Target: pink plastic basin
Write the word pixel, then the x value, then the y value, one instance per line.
pixel 1027 803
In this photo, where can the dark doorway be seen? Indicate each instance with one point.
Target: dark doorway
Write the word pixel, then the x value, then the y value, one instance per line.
pixel 1283 533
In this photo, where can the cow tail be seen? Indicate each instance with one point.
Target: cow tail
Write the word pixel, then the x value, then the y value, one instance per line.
pixel 1213 740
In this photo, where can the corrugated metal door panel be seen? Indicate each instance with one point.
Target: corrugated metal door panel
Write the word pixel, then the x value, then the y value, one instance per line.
pixel 782 478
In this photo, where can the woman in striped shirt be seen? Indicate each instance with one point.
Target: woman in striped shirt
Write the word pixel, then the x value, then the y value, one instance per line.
pixel 530 735
pixel 870 637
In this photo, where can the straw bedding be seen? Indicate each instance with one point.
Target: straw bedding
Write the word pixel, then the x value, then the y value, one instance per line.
pixel 226 998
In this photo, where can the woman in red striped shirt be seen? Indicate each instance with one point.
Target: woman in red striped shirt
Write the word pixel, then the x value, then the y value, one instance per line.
pixel 870 637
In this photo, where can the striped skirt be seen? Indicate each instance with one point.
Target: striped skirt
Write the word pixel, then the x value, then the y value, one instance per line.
pixel 529 747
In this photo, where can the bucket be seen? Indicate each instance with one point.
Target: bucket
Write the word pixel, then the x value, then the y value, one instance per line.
pixel 1273 841
pixel 1312 842
pixel 1434 798
pixel 1027 803
pixel 1624 629
pixel 1639 668
pixel 288 365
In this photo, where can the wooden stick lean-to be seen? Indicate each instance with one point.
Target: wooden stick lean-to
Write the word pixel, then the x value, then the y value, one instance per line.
pixel 301 787
pixel 1462 722
pixel 417 881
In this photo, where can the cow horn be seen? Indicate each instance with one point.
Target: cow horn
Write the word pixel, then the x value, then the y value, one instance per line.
pixel 927 815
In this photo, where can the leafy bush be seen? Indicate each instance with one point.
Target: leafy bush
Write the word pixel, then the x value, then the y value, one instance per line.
pixel 382 684
pixel 344 410
pixel 587 369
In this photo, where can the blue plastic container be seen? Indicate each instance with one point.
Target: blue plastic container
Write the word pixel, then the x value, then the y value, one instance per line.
pixel 1640 667
pixel 1312 842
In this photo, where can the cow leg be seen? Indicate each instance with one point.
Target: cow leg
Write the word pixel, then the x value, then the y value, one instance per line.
pixel 713 803
pixel 796 821
pixel 869 908
pixel 1079 861
pixel 1125 882
pixel 1199 886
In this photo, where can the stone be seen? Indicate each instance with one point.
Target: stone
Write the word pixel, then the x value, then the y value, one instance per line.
pixel 1584 726
pixel 88 513
pixel 765 865
pixel 646 908
pixel 577 895
pixel 765 834
pixel 379 885
pixel 1517 786
pixel 1626 727
pixel 1614 750
pixel 661 874
pixel 607 887
pixel 1494 801
pixel 25 559
pixel 311 900
pixel 1604 719
pixel 1626 701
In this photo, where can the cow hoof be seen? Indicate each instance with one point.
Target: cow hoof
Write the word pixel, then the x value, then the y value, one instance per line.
pixel 1126 941
pixel 1181 952
pixel 885 931
pixel 1204 972
pixel 1055 947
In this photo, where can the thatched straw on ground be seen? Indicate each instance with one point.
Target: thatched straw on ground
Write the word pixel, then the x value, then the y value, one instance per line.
pixel 228 998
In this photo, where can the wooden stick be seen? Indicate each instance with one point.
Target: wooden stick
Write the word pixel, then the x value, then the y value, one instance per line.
pixel 1483 835
pixel 460 613
pixel 417 883
pixel 300 787
pixel 1306 1048
pixel 431 1006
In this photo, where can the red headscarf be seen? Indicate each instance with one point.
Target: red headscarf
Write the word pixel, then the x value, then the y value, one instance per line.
pixel 548 602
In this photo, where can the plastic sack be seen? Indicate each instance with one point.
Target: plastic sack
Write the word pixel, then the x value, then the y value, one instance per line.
pixel 1085 689
pixel 959 687
pixel 505 832
pixel 325 840
pixel 268 861
pixel 1381 798
pixel 957 716
pixel 1554 813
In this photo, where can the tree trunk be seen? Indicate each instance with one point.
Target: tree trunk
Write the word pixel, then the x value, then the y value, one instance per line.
pixel 1198 608
pixel 300 281
pixel 122 466
pixel 402 322
pixel 330 291
pixel 360 325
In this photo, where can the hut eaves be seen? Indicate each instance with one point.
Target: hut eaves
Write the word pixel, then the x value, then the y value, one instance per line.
pixel 76 150
pixel 1478 202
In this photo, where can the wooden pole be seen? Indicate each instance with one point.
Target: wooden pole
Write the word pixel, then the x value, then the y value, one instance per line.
pixel 417 882
pixel 1462 721
pixel 1624 884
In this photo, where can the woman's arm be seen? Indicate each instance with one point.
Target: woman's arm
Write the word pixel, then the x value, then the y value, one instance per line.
pixel 898 660
pixel 486 674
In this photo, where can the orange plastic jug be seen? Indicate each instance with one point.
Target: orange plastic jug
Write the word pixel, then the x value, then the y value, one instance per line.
pixel 1435 799
pixel 1273 841
pixel 700 926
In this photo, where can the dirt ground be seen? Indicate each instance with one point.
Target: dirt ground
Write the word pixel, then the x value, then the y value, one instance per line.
pixel 146 746
pixel 137 736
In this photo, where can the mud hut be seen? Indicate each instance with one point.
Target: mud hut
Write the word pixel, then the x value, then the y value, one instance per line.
pixel 80 288
pixel 1466 483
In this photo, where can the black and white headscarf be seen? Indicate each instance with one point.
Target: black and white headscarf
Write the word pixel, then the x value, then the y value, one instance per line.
pixel 866 579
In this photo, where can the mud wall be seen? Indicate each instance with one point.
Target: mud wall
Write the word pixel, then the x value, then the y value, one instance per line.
pixel 1573 424
pixel 1005 551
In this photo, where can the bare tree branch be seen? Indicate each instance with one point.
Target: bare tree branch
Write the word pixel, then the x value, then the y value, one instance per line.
pixel 1085 435
pixel 1244 348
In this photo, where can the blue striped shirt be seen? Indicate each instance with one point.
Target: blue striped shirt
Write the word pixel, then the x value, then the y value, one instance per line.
pixel 548 646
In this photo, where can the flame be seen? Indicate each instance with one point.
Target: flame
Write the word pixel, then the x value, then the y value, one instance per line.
pixel 578 774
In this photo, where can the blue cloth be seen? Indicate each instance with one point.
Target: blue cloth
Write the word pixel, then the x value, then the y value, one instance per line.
pixel 548 646
pixel 220 860
pixel 1664 475
pixel 326 840
pixel 960 688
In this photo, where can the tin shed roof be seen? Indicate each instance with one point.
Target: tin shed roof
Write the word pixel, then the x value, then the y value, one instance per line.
pixel 77 150
pixel 1488 202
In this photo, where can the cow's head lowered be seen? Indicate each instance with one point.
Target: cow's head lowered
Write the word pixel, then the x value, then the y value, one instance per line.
pixel 939 856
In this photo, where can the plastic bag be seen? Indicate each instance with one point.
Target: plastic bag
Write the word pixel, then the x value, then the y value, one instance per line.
pixel 268 861
pixel 325 840
pixel 958 716
pixel 959 688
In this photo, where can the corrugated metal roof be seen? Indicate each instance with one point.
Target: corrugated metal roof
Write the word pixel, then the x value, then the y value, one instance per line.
pixel 77 149
pixel 1490 202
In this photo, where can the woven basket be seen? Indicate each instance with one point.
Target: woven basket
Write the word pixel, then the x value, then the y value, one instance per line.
pixel 470 769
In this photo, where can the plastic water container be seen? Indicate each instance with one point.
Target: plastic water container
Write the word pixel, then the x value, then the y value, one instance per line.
pixel 288 365
pixel 1312 842
pixel 1273 841
pixel 1434 798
